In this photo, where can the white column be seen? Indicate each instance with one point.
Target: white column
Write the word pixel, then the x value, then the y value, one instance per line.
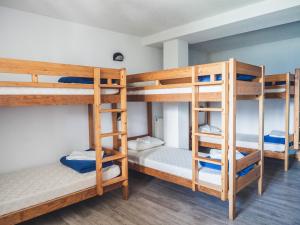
pixel 176 115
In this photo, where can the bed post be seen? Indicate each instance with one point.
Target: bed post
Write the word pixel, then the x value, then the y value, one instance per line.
pixel 261 130
pixel 149 118
pixel 114 118
pixel 97 131
pixel 91 126
pixel 287 122
pixel 224 175
pixel 296 111
pixel 195 139
pixel 124 137
pixel 232 139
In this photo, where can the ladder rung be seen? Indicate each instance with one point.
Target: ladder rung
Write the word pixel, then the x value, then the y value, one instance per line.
pixel 208 83
pixel 209 109
pixel 112 134
pixel 113 181
pixel 111 110
pixel 111 86
pixel 208 160
pixel 113 157
pixel 201 134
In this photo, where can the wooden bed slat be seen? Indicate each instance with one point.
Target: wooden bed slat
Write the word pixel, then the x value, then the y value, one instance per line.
pixel 53 69
pixel 248 178
pixel 247 160
pixel 160 75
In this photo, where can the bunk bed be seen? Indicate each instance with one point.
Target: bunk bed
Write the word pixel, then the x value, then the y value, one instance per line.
pixel 283 86
pixel 296 112
pixel 32 192
pixel 215 82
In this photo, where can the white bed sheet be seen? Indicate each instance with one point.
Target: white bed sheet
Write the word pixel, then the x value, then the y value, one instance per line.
pixel 276 90
pixel 183 90
pixel 53 91
pixel 248 141
pixel 175 161
pixel 29 187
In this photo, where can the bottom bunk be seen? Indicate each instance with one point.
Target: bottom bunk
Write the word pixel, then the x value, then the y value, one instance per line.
pixel 274 142
pixel 175 165
pixel 32 192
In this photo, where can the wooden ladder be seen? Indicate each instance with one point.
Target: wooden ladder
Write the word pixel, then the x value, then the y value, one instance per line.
pixel 113 154
pixel 196 184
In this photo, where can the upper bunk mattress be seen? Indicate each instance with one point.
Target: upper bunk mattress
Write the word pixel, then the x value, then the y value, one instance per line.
pixel 248 141
pixel 32 186
pixel 53 91
pixel 174 161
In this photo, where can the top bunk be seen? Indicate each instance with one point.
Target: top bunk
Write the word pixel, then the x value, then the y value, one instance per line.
pixel 280 85
pixel 28 83
pixel 176 85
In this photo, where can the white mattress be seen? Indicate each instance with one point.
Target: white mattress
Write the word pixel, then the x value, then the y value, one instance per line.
pixel 276 90
pixel 183 90
pixel 53 91
pixel 29 187
pixel 248 141
pixel 174 161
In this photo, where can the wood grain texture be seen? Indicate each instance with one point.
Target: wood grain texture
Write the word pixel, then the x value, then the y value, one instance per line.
pixel 34 100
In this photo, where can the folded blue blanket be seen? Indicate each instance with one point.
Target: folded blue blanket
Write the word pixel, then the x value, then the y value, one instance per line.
pixel 218 167
pixel 83 166
pixel 79 80
pixel 275 140
pixel 242 77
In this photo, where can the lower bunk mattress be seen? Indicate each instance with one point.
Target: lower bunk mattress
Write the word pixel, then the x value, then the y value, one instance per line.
pixel 248 141
pixel 54 91
pixel 174 161
pixel 33 186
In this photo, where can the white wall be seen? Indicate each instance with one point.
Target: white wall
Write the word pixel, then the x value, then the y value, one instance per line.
pixel 33 136
pixel 197 57
pixel 278 57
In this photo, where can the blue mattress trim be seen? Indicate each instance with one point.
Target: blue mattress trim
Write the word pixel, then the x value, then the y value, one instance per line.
pixel 79 80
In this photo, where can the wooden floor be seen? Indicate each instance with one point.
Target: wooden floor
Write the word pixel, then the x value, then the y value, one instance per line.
pixel 156 202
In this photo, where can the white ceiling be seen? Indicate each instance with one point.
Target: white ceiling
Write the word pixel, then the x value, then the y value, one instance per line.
pixel 137 17
pixel 276 33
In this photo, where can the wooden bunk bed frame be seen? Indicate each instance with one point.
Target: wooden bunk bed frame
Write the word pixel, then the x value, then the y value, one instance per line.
pixel 187 77
pixel 296 112
pixel 291 85
pixel 37 69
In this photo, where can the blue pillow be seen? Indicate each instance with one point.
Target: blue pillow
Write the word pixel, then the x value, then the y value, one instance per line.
pixel 83 166
pixel 79 80
pixel 242 77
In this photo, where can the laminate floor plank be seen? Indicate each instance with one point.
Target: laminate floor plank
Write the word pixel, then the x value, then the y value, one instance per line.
pixel 153 202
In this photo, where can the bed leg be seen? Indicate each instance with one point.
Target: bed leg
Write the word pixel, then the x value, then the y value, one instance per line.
pixel 286 164
pixel 125 190
pixel 232 207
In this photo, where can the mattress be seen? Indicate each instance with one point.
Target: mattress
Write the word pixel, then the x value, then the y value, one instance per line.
pixel 53 91
pixel 275 90
pixel 29 187
pixel 174 161
pixel 248 141
pixel 183 90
